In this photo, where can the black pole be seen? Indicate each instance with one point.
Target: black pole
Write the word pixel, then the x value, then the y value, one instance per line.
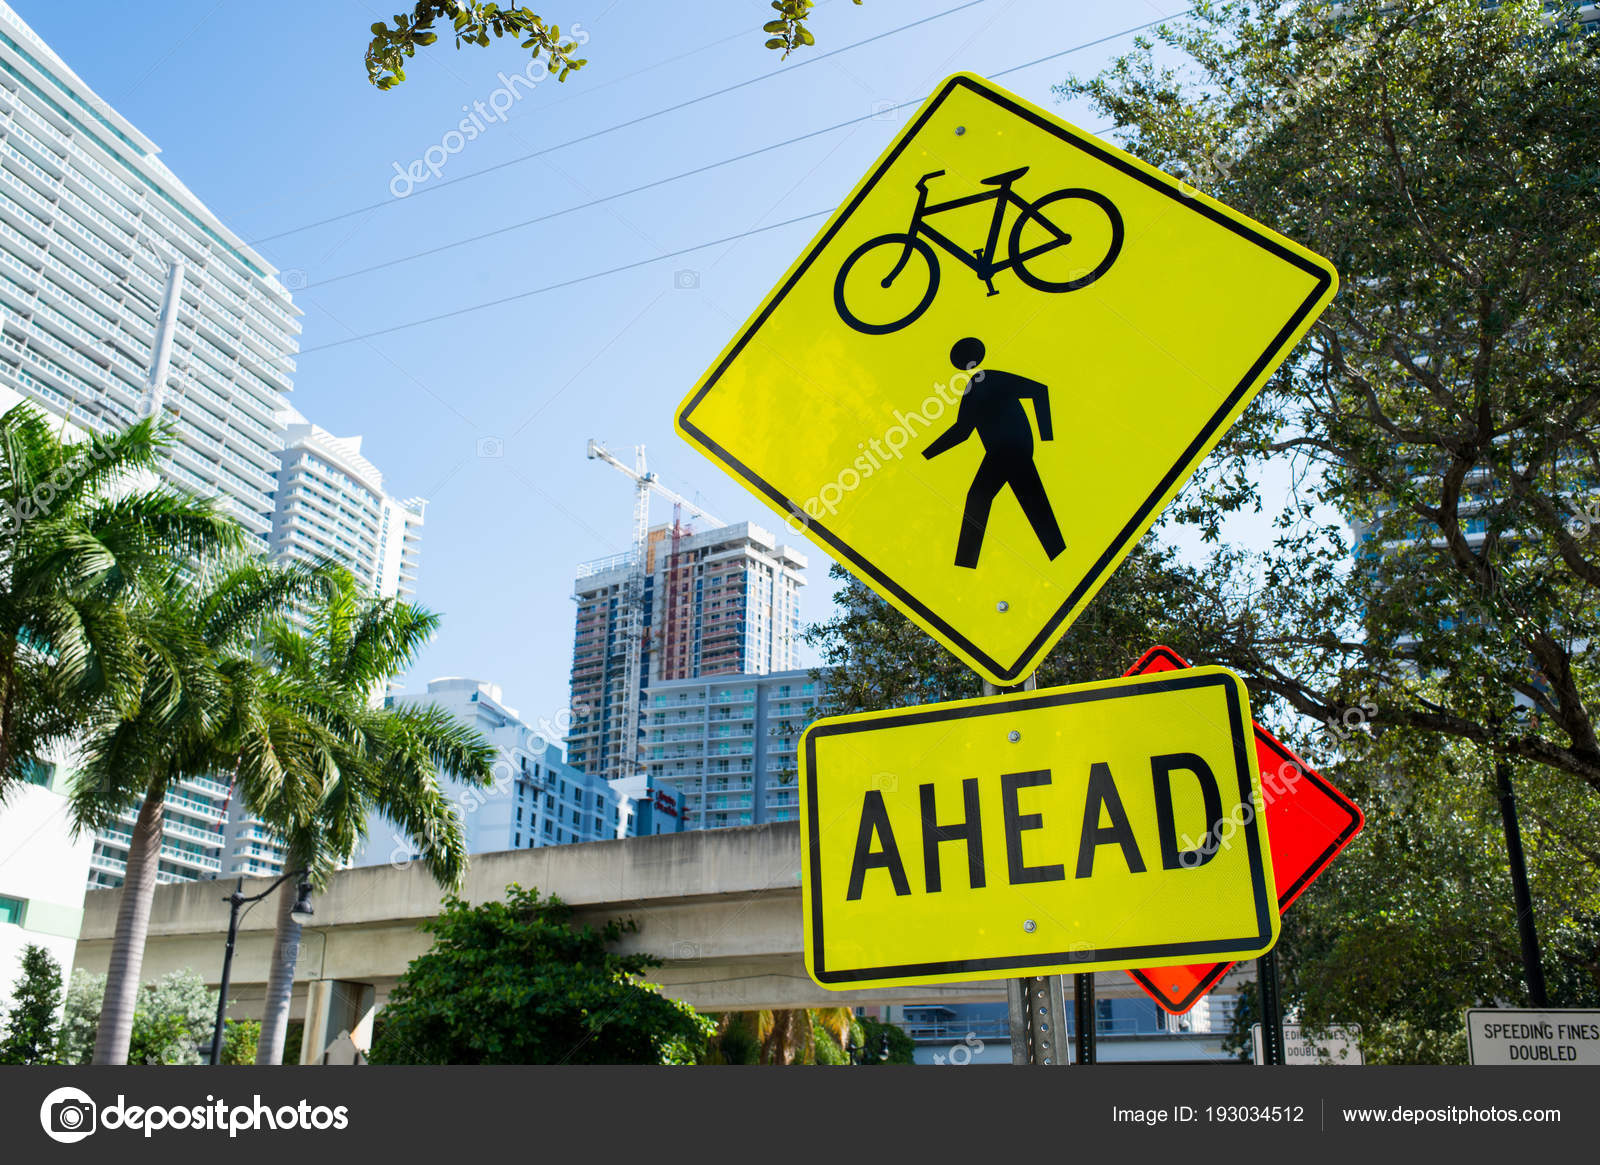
pixel 1532 967
pixel 1083 1016
pixel 234 902
pixel 1271 1008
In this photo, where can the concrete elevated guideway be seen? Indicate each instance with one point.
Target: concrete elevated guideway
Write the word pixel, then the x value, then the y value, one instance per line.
pixel 721 907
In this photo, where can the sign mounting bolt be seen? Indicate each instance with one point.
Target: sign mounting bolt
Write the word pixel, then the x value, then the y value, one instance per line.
pixel 1029 925
pixel 1002 606
pixel 960 129
pixel 1013 736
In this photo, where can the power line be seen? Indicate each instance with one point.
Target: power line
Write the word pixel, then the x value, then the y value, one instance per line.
pixel 638 263
pixel 1091 44
pixel 527 222
pixel 539 153
pixel 461 311
pixel 603 199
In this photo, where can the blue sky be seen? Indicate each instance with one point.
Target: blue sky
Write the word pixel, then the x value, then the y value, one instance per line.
pixel 272 122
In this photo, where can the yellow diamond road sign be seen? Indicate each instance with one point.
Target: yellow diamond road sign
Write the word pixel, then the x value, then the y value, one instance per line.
pixel 1114 824
pixel 996 364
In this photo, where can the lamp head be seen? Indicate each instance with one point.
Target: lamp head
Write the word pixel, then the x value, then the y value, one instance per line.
pixel 302 912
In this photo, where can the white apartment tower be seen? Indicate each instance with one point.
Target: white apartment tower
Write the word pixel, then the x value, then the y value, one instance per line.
pixel 92 227
pixel 331 504
pixel 99 241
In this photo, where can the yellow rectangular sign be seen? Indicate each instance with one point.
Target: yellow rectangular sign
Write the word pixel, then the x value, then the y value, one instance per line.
pixel 997 363
pixel 1100 826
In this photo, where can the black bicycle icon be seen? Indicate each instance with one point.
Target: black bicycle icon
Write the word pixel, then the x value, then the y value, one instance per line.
pixel 914 240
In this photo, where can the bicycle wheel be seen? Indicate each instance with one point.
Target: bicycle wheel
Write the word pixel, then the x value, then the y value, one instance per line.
pixel 1080 271
pixel 892 268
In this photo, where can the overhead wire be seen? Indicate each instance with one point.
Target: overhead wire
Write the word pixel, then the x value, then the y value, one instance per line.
pixel 681 252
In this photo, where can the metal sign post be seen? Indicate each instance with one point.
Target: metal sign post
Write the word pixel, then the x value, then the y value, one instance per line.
pixel 1084 1016
pixel 1271 1009
pixel 1038 1005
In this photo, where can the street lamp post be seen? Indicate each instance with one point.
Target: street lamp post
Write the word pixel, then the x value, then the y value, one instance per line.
pixel 859 1053
pixel 301 913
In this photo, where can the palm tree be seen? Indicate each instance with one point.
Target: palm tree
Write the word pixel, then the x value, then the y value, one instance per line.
pixel 80 533
pixel 199 710
pixel 784 1036
pixel 345 755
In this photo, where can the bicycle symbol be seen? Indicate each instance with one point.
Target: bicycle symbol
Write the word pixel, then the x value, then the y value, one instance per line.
pixel 915 239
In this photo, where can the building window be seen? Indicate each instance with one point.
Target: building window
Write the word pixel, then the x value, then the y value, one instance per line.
pixel 39 772
pixel 12 910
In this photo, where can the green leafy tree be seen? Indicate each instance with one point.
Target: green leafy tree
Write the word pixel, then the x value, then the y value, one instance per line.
pixel 199 710
pixel 342 755
pixel 473 23
pixel 1441 153
pixel 876 658
pixel 789 31
pixel 1414 923
pixel 31 1031
pixel 470 23
pixel 79 539
pixel 513 982
pixel 875 1036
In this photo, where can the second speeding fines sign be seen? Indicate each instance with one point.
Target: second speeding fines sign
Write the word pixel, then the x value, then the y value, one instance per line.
pixel 1106 825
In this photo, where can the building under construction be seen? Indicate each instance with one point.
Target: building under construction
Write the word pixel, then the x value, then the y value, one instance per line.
pixel 717 601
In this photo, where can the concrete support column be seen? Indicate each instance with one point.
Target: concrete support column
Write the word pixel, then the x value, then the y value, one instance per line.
pixel 339 1017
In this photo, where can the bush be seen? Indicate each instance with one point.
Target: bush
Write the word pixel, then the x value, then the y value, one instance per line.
pixel 513 983
pixel 902 1048
pixel 172 1019
pixel 239 1039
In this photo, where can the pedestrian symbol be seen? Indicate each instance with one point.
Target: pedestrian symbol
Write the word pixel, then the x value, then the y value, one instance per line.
pixel 992 408
pixel 997 363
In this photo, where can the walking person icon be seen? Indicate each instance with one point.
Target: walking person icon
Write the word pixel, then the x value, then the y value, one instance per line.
pixel 992 407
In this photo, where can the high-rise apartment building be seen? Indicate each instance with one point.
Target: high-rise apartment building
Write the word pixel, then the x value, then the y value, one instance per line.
pixel 93 227
pixel 122 296
pixel 331 503
pixel 727 744
pixel 723 601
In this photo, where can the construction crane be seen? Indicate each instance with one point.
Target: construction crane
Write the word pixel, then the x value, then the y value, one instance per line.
pixel 630 630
